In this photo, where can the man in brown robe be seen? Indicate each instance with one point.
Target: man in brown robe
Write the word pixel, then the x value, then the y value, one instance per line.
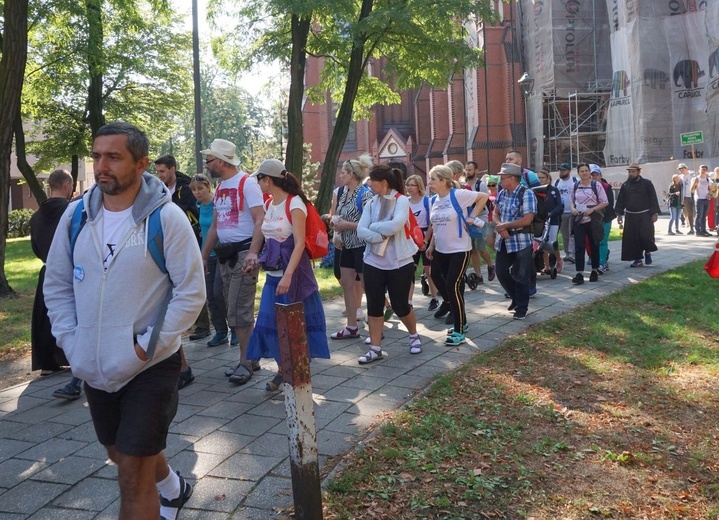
pixel 637 201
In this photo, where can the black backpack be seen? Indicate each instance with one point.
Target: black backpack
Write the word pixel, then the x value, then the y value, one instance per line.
pixel 542 214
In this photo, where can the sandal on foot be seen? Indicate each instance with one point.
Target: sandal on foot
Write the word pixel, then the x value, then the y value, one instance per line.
pixel 275 384
pixel 368 340
pixel 243 373
pixel 455 339
pixel 346 333
pixel 177 503
pixel 371 355
pixel 465 328
pixel 415 344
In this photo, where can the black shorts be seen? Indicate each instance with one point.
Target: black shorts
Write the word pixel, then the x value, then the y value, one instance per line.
pixel 353 259
pixel 136 418
pixel 426 262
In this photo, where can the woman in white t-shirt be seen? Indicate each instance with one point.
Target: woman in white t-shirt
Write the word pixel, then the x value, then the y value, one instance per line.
pixel 451 244
pixel 290 277
pixel 420 204
pixel 388 258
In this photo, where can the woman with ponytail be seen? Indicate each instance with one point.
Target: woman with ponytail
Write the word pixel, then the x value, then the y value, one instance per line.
pixel 290 277
pixel 388 258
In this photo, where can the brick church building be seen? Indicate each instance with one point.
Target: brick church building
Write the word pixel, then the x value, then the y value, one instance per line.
pixel 479 116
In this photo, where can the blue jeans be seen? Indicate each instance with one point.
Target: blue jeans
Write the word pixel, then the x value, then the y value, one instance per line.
pixel 700 225
pixel 514 273
pixel 674 217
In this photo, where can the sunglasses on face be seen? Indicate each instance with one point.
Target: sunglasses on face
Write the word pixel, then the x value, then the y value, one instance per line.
pixel 208 162
pixel 491 185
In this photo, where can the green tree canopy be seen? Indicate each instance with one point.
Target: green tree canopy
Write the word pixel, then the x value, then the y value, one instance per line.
pixel 141 57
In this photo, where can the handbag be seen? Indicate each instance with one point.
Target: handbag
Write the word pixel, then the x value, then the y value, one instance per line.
pixel 712 265
pixel 474 231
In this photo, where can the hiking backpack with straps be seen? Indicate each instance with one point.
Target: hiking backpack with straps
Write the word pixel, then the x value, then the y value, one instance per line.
pixel 316 238
pixel 155 237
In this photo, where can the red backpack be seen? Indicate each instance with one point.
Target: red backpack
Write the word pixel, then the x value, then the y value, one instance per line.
pixel 411 228
pixel 316 239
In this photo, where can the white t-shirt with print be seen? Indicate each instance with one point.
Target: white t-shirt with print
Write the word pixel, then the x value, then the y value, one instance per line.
pixel 275 224
pixel 115 225
pixel 445 225
pixel 234 225
pixel 565 188
pixel 420 212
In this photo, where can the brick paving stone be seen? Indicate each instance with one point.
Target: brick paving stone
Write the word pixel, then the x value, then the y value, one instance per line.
pixel 185 411
pixel 271 492
pixel 51 450
pixel 177 443
pixel 270 408
pixel 70 470
pixel 345 394
pixel 351 423
pixel 325 382
pixel 21 408
pixel 7 427
pixel 252 425
pixel 245 466
pixel 92 494
pixel 334 443
pixel 54 513
pixel 14 471
pixel 78 415
pixel 9 448
pixel 222 443
pixel 269 444
pixel 29 496
pixel 219 494
pixel 83 433
pixel 196 514
pixel 250 395
pixel 40 432
pixel 94 450
pixel 195 465
pixel 203 398
pixel 249 513
pixel 225 410
pixel 198 426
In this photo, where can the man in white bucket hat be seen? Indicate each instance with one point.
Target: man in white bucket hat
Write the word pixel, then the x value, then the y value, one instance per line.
pixel 236 237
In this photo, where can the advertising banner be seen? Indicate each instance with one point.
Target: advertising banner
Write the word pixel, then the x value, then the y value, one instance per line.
pixel 688 58
pixel 620 147
pixel 538 43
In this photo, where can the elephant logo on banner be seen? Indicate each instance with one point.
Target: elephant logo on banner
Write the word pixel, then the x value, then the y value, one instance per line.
pixel 713 63
pixel 689 72
pixel 620 84
pixel 655 78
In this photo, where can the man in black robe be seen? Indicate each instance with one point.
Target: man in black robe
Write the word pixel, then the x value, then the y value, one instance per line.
pixel 46 355
pixel 637 201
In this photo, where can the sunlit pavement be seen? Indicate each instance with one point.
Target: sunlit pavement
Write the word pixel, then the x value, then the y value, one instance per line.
pixel 231 442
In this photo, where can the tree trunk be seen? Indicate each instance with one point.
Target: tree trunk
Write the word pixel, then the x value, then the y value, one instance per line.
pixel 27 172
pixel 344 116
pixel 96 65
pixel 12 74
pixel 295 138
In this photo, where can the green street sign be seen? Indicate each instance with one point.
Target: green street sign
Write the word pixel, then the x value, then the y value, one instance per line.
pixel 691 138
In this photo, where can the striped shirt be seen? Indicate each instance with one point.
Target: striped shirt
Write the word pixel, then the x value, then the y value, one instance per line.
pixel 347 209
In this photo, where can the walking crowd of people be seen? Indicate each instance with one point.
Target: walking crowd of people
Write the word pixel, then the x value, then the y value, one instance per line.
pixel 140 259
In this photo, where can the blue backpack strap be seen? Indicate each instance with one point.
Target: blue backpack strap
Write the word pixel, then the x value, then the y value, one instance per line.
pixel 458 209
pixel 79 217
pixel 358 201
pixel 426 205
pixel 156 239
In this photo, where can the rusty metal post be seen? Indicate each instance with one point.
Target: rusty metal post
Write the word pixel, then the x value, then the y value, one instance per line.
pixel 299 406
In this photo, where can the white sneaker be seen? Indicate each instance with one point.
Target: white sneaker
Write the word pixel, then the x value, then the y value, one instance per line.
pixel 360 315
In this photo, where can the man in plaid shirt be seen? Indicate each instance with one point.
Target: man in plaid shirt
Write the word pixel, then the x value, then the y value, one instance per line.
pixel 514 210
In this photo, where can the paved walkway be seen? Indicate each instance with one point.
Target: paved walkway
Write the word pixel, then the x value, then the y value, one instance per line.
pixel 232 441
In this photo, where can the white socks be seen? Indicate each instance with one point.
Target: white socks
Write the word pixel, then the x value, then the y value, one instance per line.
pixel 169 488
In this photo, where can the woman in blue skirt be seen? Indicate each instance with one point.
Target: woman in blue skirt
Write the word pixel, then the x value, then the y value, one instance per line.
pixel 289 272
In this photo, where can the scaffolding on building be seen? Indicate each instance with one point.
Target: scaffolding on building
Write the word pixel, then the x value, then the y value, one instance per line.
pixel 575 125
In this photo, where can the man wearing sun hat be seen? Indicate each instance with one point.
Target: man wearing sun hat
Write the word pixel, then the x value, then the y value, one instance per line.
pixel 236 237
pixel 514 210
pixel 637 200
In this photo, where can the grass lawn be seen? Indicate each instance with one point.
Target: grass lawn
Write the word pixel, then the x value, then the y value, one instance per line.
pixel 606 412
pixel 22 268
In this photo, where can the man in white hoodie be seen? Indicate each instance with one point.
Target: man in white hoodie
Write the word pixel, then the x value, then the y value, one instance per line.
pixel 106 292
